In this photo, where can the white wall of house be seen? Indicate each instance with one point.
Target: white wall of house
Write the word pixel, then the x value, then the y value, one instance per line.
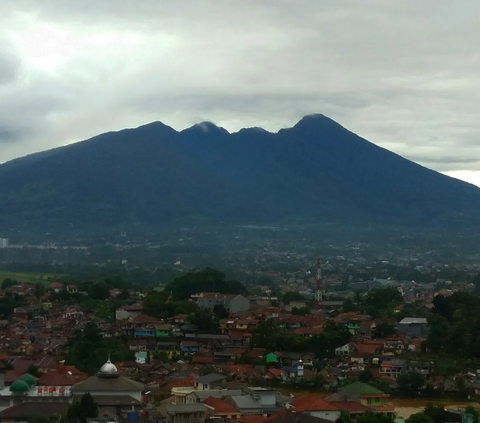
pixel 327 415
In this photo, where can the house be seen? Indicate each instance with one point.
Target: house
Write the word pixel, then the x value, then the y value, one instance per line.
pixel 189 347
pixel 273 357
pixel 199 359
pixel 72 289
pixel 56 286
pixel 171 349
pixel 368 395
pixel 34 410
pixel 128 312
pixel 266 398
pixel 393 368
pixel 422 367
pixel 184 413
pixel 287 416
pixel 344 350
pixel 416 326
pixel 316 406
pixel 232 302
pixel 222 409
pixel 365 351
pixel 308 332
pixel 137 345
pixel 352 408
pixel 163 329
pixel 209 382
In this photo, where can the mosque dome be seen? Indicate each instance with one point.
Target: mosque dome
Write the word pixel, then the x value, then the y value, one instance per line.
pixel 29 379
pixel 19 387
pixel 108 370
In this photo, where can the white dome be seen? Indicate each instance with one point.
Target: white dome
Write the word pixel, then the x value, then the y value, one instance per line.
pixel 108 369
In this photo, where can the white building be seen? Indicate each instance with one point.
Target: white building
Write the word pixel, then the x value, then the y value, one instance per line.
pixel 3 242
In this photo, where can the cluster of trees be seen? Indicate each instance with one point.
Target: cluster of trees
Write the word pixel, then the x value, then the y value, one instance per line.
pixel 271 336
pixel 455 325
pixel 379 302
pixel 439 414
pixel 208 280
pixel 89 350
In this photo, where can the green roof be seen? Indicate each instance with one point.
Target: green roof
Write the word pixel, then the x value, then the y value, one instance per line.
pixel 29 379
pixel 19 386
pixel 359 388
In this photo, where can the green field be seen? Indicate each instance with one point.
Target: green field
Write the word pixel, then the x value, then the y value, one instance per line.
pixel 27 277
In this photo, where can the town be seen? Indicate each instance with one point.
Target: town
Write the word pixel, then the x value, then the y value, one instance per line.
pixel 204 348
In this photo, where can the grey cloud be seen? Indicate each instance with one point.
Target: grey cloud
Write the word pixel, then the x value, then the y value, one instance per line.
pixel 401 74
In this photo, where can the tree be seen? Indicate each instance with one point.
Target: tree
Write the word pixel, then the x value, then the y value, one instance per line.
pixel 39 290
pixel 381 301
pixel 203 320
pixel 124 295
pixel 410 383
pixel 292 296
pixel 374 418
pixel 349 306
pixel 82 410
pixel 436 413
pixel 220 311
pixel 365 376
pixel 419 418
pixel 437 338
pixel 208 280
pixel 302 311
pixel 8 282
pixel 384 330
pixel 34 371
pixel 154 303
pixel 99 291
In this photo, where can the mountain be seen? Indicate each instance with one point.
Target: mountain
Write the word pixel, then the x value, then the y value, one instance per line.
pixel 154 176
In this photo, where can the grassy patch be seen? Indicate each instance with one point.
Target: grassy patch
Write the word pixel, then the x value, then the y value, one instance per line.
pixel 28 277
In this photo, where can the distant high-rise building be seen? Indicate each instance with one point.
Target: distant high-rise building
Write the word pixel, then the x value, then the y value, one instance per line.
pixel 3 242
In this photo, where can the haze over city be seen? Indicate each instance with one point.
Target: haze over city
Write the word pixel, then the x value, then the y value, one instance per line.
pixel 401 74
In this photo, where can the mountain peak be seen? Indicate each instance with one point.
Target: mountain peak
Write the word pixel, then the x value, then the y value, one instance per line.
pixel 206 128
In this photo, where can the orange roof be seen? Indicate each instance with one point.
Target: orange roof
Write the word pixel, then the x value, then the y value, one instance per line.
pixel 312 403
pixel 387 364
pixel 351 406
pixel 366 348
pixel 274 371
pixel 220 406
pixel 180 383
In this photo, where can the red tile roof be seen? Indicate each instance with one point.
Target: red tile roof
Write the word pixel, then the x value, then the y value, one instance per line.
pixel 220 406
pixel 366 348
pixel 351 406
pixel 312 403
pixel 202 359
pixel 180 383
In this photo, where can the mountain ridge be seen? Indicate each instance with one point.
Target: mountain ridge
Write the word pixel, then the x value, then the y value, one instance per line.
pixel 153 175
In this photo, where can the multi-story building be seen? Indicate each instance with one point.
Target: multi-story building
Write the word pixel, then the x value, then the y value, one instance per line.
pixel 232 302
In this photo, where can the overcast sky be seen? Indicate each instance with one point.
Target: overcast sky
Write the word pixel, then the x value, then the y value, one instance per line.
pixel 403 74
